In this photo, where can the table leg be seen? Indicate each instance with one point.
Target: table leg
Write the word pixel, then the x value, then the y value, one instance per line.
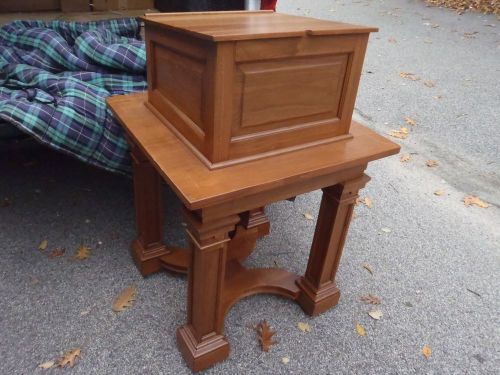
pixel 202 341
pixel 148 246
pixel 318 291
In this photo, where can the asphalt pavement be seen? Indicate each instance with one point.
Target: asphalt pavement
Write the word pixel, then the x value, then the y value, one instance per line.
pixel 434 261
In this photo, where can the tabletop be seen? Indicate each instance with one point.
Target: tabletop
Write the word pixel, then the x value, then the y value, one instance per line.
pixel 199 187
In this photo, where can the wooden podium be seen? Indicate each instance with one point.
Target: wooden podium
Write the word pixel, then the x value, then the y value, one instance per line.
pixel 224 192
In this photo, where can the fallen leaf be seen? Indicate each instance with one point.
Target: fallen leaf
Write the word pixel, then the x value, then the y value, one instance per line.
pixel 43 245
pixel 405 158
pixel 285 360
pixel 125 299
pixel 408 304
pixel 82 253
pixel 367 201
pixel 429 83
pixel 471 35
pixel 371 299
pixel 85 312
pixel 426 351
pixel 360 329
pixel 265 335
pixel 56 253
pixel 435 25
pixel 69 358
pixel 47 365
pixel 304 327
pixel 439 97
pixel 471 200
pixel 308 216
pixel 439 192
pixel 428 41
pixel 409 76
pixel 431 163
pixel 376 314
pixel 401 133
pixel 410 121
pixel 367 267
pixel 5 202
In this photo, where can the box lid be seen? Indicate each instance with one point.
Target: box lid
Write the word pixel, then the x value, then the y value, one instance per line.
pixel 243 25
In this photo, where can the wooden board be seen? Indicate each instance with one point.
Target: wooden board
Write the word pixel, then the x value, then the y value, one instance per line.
pixel 199 187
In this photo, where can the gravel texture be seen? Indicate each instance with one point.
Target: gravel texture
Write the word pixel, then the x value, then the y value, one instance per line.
pixel 436 270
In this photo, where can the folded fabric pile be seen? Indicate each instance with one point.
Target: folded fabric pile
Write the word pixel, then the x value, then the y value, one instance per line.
pixel 55 77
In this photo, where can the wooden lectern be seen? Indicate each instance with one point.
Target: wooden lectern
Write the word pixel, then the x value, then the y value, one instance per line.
pixel 245 109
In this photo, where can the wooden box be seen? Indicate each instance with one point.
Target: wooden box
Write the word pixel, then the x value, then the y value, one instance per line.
pixel 236 86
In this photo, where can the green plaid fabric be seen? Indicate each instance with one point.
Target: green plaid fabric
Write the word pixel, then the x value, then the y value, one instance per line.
pixel 55 77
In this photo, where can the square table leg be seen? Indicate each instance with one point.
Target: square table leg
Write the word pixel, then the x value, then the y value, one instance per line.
pixel 318 291
pixel 149 245
pixel 201 340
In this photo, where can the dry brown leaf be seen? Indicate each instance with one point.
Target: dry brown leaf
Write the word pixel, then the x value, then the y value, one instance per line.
pixel 125 299
pixel 367 201
pixel 56 253
pixel 439 192
pixel 82 253
pixel 426 351
pixel 410 121
pixel 360 329
pixel 265 335
pixel 429 83
pixel 405 158
pixel 69 358
pixel 376 314
pixel 367 267
pixel 308 216
pixel 471 200
pixel 371 299
pixel 431 163
pixel 304 327
pixel 401 133
pixel 43 245
pixel 410 76
pixel 47 365
pixel 5 202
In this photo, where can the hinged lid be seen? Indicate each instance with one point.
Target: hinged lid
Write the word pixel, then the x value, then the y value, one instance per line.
pixel 243 25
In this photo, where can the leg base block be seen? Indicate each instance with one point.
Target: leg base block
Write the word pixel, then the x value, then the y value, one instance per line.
pixel 315 302
pixel 201 355
pixel 148 260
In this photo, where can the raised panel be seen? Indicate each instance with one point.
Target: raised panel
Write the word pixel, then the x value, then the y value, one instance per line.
pixel 179 79
pixel 283 93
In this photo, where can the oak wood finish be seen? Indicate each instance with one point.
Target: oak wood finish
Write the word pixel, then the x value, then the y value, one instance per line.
pixel 221 81
pixel 225 217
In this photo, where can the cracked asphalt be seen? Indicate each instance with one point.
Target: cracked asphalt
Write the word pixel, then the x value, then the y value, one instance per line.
pixel 435 261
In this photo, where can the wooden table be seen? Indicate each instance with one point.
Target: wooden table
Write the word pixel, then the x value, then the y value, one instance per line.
pixel 224 212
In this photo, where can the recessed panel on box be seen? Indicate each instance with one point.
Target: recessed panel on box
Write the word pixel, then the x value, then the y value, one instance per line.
pixel 238 86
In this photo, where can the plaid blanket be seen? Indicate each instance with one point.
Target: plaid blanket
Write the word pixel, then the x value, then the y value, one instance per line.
pixel 55 77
